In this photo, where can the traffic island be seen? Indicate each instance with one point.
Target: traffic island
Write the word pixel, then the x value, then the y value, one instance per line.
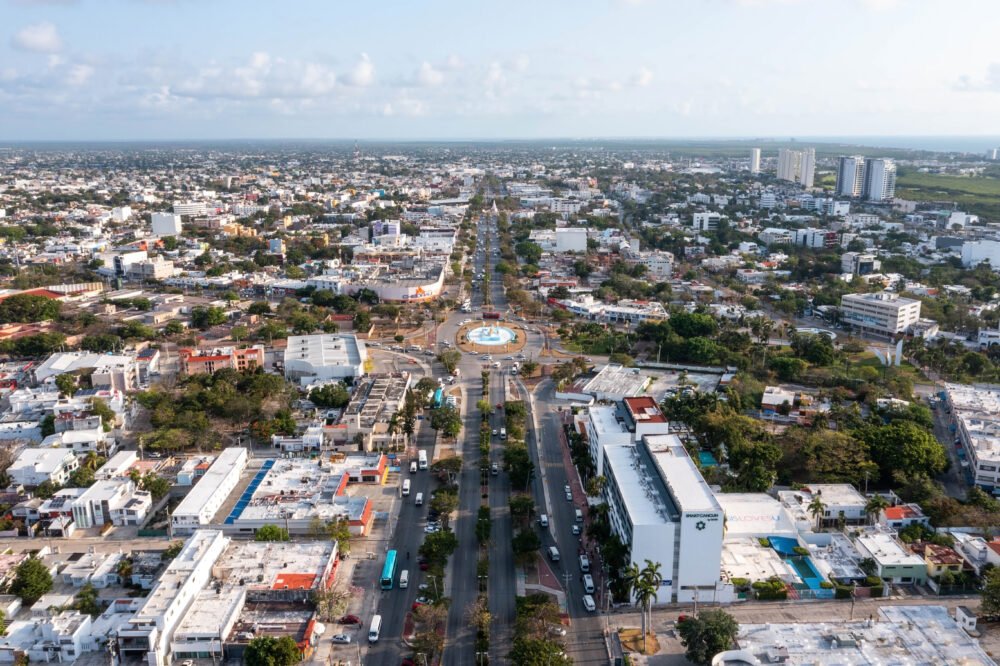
pixel 491 337
pixel 632 641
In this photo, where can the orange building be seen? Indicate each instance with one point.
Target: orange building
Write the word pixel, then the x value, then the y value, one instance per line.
pixel 198 361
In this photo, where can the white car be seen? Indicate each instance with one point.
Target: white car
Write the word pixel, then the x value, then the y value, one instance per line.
pixel 341 638
pixel 588 603
pixel 576 529
pixel 569 497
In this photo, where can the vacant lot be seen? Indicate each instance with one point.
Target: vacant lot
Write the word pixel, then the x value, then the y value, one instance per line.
pixel 977 194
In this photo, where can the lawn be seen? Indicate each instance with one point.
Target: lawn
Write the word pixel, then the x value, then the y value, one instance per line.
pixel 976 194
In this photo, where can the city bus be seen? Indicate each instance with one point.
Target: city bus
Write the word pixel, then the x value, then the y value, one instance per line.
pixel 389 570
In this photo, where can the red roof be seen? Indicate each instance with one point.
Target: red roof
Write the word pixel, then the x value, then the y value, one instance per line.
pixel 644 409
pixel 901 512
pixel 294 581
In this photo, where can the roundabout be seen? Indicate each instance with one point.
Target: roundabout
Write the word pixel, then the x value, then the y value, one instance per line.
pixel 490 336
pixel 486 337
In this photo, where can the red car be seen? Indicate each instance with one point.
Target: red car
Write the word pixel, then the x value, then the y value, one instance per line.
pixel 349 619
pixel 416 605
pixel 499 405
pixel 424 566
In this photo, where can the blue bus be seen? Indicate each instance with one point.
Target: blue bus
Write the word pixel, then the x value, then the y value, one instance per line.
pixel 389 570
pixel 438 397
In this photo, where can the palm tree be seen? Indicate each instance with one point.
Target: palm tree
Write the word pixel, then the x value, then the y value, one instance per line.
pixel 875 506
pixel 644 594
pixel 817 508
pixel 651 581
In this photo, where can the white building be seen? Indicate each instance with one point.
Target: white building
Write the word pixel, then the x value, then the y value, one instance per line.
pixel 115 501
pixel 36 466
pixel 148 634
pixel 851 176
pixel 663 511
pixel 706 221
pixel 881 314
pixel 208 495
pixel 190 207
pixel 323 358
pixel 837 498
pixel 571 239
pixel 776 236
pixel 166 224
pixel 622 424
pixel 880 180
pixel 108 371
pixel 755 160
pixel 976 252
pixel 816 238
pixel 797 166
pixel 859 263
pixel 977 416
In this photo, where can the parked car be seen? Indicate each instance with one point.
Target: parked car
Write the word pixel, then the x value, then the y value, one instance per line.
pixel 349 619
pixel 341 638
pixel 576 529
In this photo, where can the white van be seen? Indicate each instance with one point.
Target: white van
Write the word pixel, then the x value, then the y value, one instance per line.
pixel 404 579
pixel 588 603
pixel 419 500
pixel 375 629
pixel 588 583
pixel 553 553
pixel 543 520
pixel 579 516
pixel 584 563
pixel 406 488
pixel 413 467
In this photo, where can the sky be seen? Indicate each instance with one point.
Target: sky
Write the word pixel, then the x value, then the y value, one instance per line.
pixel 440 69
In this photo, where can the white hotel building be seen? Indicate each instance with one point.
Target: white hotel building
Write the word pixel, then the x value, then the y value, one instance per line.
pixel 882 314
pixel 663 510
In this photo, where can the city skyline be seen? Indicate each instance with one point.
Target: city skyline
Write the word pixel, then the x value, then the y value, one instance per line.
pixel 81 70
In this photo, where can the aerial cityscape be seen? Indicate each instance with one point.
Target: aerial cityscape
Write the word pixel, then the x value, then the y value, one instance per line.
pixel 597 334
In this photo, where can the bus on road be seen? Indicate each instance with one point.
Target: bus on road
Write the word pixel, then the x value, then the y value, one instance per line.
pixel 389 570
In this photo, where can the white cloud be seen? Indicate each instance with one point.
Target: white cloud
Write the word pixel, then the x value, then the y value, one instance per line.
pixel 363 74
pixel 643 77
pixel 427 75
pixel 79 75
pixel 38 37
pixel 262 77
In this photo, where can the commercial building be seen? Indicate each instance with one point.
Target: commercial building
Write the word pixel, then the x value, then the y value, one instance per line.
pixel 851 176
pixel 106 371
pixel 880 180
pixel 755 160
pixel 406 281
pixel 797 166
pixel 663 511
pixel 622 424
pixel 166 224
pixel 571 239
pixel 706 221
pixel 776 236
pixel 190 208
pixel 148 634
pixel 976 411
pixel 817 238
pixel 33 467
pixel 198 361
pixel 882 314
pixel 311 359
pixel 976 252
pixel 859 263
pixel 208 495
pixel 634 312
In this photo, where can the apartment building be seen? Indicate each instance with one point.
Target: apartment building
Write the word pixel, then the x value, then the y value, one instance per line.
pixel 851 176
pixel 34 467
pixel 881 314
pixel 663 510
pixel 976 411
pixel 859 263
pixel 208 495
pixel 776 236
pixel 207 361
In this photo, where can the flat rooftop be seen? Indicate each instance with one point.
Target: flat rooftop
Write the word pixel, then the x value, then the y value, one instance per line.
pixel 605 420
pixel 297 565
pixel 746 558
pixel 754 515
pixel 615 379
pixel 299 489
pixel 838 559
pixel 904 635
pixel 204 489
pixel 887 550
pixel 643 508
pixel 683 478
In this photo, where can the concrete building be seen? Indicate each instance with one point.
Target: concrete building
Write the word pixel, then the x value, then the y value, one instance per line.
pixel 190 208
pixel 622 424
pixel 883 314
pixel 859 263
pixel 817 238
pixel 208 495
pixel 166 224
pixel 313 359
pixel 106 371
pixel 797 166
pixel 976 252
pixel 207 361
pixel 776 236
pixel 893 562
pixel 976 411
pixel 33 467
pixel 880 180
pixel 755 161
pixel 841 501
pixel 851 176
pixel 706 221
pixel 571 239
pixel 662 510
pixel 148 635
pixel 112 501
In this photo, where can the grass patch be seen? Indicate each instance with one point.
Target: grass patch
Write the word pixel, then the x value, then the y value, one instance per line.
pixel 977 194
pixel 632 641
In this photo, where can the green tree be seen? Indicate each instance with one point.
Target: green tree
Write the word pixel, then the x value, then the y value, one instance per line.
pixel 525 545
pixel 81 477
pixel 333 395
pixel 31 581
pixel 989 604
pixel 448 469
pixel 156 485
pixel 28 308
pixel 271 651
pixel 206 317
pixel 447 420
pixel 438 547
pixel 48 425
pixel 904 447
pixel 173 550
pixel 875 506
pixel 538 652
pixel 817 508
pixel 87 602
pixel 522 507
pixel 259 308
pixel 98 407
pixel 704 636
pixel 445 501
pixel 66 384
pixel 450 359
pixel 271 533
pixel 340 531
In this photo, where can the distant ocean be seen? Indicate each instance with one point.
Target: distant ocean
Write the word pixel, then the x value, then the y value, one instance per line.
pixel 960 144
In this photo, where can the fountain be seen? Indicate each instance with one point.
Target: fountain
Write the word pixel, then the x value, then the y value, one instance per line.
pixel 490 336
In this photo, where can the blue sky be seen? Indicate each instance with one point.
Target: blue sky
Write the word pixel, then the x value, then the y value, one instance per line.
pixel 200 69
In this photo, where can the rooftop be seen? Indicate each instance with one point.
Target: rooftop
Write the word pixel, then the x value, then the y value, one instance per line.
pixel 644 409
pixel 754 515
pixel 203 490
pixel 615 379
pixel 683 478
pixel 288 565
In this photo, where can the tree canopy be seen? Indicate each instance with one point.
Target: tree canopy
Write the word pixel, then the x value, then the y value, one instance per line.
pixel 271 651
pixel 32 580
pixel 707 634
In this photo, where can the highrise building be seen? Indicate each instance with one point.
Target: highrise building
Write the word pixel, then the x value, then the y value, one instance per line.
pixel 797 166
pixel 851 176
pixel 993 154
pixel 880 180
pixel 755 160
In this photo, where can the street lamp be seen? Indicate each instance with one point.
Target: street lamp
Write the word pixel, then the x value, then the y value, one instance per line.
pixel 482 657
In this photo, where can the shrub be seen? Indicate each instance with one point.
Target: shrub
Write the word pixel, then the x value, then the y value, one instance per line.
pixel 764 542
pixel 842 592
pixel 826 585
pixel 799 550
